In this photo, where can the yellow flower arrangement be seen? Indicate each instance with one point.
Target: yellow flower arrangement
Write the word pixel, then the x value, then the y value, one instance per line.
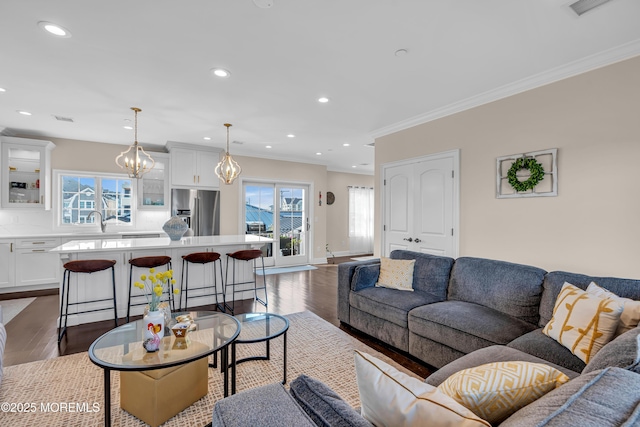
pixel 154 284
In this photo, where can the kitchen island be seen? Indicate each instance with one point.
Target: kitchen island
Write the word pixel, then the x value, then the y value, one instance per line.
pixel 98 285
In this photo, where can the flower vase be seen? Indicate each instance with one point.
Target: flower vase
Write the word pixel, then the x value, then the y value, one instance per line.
pixel 175 228
pixel 154 330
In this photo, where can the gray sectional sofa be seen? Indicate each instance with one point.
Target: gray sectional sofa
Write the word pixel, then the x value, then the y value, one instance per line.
pixel 464 313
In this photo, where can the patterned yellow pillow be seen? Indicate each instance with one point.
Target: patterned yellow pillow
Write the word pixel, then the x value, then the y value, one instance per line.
pixel 396 274
pixel 496 390
pixel 630 317
pixel 582 322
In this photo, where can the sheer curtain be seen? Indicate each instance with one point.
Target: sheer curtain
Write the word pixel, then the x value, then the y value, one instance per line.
pixel 360 220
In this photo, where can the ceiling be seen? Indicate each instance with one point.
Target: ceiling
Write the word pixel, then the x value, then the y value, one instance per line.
pixel 157 55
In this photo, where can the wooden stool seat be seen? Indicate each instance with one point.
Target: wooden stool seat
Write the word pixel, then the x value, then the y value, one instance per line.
pixel 201 258
pixel 89 265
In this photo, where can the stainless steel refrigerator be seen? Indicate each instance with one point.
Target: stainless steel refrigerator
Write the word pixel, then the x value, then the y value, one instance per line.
pixel 200 209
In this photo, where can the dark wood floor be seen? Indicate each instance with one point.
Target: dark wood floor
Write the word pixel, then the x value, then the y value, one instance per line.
pixel 32 334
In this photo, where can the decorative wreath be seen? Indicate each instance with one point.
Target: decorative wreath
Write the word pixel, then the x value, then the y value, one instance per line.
pixel 535 169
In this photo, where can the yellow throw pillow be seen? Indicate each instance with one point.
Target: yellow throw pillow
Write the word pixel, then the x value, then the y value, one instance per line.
pixel 630 317
pixel 396 274
pixel 496 390
pixel 391 398
pixel 582 322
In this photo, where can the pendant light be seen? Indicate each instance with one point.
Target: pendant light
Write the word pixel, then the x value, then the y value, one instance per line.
pixel 228 169
pixel 135 160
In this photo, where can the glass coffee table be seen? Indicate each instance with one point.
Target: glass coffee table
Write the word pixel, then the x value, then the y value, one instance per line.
pixel 259 327
pixel 121 349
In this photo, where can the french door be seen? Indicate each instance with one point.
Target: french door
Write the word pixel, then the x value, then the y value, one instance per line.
pixel 279 211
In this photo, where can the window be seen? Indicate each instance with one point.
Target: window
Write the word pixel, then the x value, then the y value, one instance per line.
pixel 81 194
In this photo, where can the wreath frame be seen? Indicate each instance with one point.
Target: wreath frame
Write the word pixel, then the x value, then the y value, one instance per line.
pixel 535 169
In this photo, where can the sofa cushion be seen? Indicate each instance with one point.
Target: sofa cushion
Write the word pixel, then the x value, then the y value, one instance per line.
pixel 622 352
pixel 465 326
pixel 271 404
pixel 625 288
pixel 389 304
pixel 365 276
pixel 496 390
pixel 396 274
pixel 323 405
pixel 430 272
pixel 513 289
pixel 392 398
pixel 495 353
pixel 605 398
pixel 583 322
pixel 538 344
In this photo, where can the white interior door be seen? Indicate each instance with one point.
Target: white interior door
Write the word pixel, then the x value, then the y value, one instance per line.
pixel 420 205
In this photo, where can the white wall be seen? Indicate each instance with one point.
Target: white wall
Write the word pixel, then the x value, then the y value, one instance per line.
pixel 593 226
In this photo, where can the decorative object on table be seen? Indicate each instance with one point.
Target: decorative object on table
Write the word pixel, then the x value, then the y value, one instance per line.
pixel 330 198
pixel 175 228
pixel 533 174
pixel 163 307
pixel 185 324
pixel 154 322
pixel 228 169
pixel 135 160
pixel 155 286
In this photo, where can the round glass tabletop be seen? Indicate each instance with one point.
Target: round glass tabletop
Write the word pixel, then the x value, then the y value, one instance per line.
pixel 121 348
pixel 257 327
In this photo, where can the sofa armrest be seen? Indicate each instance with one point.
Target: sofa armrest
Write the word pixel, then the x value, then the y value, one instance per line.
pixel 266 406
pixel 346 271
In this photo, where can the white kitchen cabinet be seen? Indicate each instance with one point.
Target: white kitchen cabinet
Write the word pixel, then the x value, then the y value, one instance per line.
pixel 34 264
pixel 193 166
pixel 26 173
pixel 7 262
pixel 153 187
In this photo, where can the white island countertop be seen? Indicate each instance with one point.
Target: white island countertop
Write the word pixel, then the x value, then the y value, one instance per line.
pixel 107 245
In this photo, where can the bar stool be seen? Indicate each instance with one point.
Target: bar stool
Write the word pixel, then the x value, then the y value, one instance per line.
pixel 246 255
pixel 202 258
pixel 84 266
pixel 147 262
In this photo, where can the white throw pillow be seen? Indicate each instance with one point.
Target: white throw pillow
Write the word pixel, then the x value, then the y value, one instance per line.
pixel 391 398
pixel 396 274
pixel 630 317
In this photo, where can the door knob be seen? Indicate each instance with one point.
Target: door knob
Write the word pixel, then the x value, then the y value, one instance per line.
pixel 408 240
pixel 417 240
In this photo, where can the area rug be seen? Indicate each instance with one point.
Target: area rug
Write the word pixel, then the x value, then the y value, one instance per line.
pixel 315 348
pixel 280 270
pixel 11 308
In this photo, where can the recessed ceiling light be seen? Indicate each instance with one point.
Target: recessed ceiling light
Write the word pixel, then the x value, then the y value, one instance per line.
pixel 401 52
pixel 127 127
pixel 2 89
pixel 353 166
pixel 291 135
pixel 318 154
pixel 24 113
pixel 267 146
pixel 346 144
pixel 323 99
pixel 207 138
pixel 54 29
pixel 220 72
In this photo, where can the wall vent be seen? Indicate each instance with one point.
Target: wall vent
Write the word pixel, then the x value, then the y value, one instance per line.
pixel 237 142
pixel 584 6
pixel 64 119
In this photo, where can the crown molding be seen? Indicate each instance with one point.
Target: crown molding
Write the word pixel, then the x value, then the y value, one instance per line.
pixel 592 62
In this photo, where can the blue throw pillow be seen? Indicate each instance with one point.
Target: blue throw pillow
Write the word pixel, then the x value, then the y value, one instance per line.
pixel 365 276
pixel 323 405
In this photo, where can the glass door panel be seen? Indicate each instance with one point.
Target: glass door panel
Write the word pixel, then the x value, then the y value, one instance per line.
pixel 292 225
pixel 259 213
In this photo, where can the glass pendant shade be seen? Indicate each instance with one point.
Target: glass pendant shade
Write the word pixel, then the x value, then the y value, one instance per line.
pixel 135 160
pixel 228 169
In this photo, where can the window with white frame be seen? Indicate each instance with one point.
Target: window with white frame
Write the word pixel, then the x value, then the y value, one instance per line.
pixel 80 193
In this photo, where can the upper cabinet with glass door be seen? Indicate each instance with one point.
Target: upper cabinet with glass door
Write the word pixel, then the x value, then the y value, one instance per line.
pixel 153 187
pixel 26 172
